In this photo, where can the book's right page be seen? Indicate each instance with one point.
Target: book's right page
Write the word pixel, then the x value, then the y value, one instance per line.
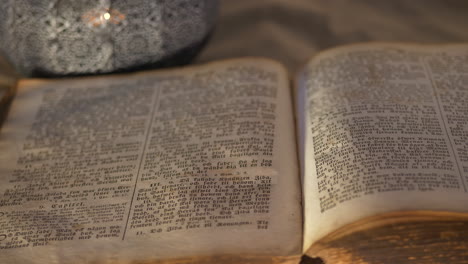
pixel 382 127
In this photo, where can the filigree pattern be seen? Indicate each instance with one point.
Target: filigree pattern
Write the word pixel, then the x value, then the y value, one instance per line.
pixel 60 37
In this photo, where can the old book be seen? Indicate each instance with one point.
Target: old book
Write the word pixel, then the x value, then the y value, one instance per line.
pixel 362 159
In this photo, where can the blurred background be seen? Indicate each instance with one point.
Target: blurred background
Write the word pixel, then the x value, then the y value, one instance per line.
pixel 291 31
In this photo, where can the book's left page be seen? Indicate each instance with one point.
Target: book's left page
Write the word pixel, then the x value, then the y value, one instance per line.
pixel 178 164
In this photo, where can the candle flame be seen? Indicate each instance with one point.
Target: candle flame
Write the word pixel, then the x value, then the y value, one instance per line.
pixel 100 17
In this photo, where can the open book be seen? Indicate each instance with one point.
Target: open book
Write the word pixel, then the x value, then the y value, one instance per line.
pixel 363 159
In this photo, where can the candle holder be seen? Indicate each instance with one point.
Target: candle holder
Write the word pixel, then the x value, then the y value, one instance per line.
pixel 69 37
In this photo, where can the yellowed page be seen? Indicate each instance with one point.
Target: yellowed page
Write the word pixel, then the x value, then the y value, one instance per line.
pixel 383 128
pixel 190 162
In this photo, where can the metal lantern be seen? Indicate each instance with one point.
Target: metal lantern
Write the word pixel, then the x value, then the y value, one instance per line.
pixel 75 37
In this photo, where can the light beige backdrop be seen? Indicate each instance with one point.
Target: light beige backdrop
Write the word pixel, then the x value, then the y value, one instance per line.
pixel 291 31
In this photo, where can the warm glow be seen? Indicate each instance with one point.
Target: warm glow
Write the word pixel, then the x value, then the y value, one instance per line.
pixel 101 17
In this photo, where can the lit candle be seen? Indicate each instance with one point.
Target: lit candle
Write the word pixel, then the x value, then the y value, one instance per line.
pixel 69 37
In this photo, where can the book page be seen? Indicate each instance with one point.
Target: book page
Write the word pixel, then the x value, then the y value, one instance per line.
pixel 181 163
pixel 383 128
